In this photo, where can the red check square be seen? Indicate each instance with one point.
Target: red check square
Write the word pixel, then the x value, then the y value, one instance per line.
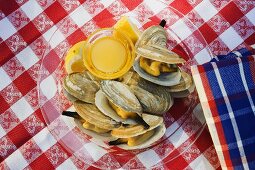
pixel 131 4
pixel 104 15
pixel 19 135
pixel 251 39
pixel 208 33
pixel 41 160
pixel 53 15
pixel 76 36
pixel 231 13
pixel 39 116
pixel 6 53
pixel 182 6
pixel 4 105
pixel 29 32
pixel 9 7
pixel 51 61
pixel 24 88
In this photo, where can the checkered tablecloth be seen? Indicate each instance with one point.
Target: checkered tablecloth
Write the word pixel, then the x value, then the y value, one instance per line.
pixel 27 25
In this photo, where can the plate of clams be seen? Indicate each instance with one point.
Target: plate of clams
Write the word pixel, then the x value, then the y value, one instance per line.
pixel 121 91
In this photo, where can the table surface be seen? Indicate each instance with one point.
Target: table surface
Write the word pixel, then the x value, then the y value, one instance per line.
pixel 25 28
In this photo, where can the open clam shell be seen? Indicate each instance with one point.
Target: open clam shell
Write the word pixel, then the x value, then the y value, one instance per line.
pixel 69 96
pixel 159 132
pixel 185 83
pixel 184 93
pixel 152 44
pixel 102 104
pixel 164 79
pixel 152 35
pixel 154 99
pixel 104 137
pixel 126 131
pixel 158 53
pixel 80 87
pixel 91 114
pixel 121 95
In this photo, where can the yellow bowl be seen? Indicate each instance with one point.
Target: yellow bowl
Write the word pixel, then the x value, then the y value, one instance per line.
pixel 108 53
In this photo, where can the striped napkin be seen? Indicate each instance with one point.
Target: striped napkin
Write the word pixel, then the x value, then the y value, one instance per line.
pixel 226 88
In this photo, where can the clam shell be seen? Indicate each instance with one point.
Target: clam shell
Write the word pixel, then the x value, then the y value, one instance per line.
pixel 90 76
pixel 79 86
pixel 126 77
pixel 164 79
pixel 135 130
pixel 102 104
pixel 158 53
pixel 159 132
pixel 103 137
pixel 90 113
pixel 185 83
pixel 184 93
pixel 152 44
pixel 154 99
pixel 121 95
pixel 152 35
pixel 134 79
pixel 69 96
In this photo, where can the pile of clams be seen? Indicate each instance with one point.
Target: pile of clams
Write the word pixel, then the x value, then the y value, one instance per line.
pixel 128 111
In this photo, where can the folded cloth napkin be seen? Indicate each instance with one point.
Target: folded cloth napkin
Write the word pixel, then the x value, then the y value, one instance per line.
pixel 226 89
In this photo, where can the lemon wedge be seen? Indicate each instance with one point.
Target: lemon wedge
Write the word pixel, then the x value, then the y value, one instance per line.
pixel 74 60
pixel 130 29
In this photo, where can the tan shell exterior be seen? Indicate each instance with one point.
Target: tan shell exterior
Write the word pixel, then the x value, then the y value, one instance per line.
pixel 153 98
pixel 152 44
pixel 90 113
pixel 79 86
pixel 121 95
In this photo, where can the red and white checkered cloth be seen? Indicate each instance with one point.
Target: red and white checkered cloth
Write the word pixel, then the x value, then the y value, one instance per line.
pixel 25 28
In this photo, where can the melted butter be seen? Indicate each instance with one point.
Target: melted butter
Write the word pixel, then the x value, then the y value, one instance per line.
pixel 108 54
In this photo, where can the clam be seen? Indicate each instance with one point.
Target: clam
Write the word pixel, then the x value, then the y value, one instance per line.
pixel 102 104
pixel 93 78
pixel 122 100
pixel 185 83
pixel 153 98
pixel 126 131
pixel 121 95
pixel 184 88
pixel 69 96
pixel 184 93
pixel 136 137
pixel 94 129
pixel 142 141
pixel 79 86
pixel 154 61
pixel 99 136
pixel 92 115
pixel 126 77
